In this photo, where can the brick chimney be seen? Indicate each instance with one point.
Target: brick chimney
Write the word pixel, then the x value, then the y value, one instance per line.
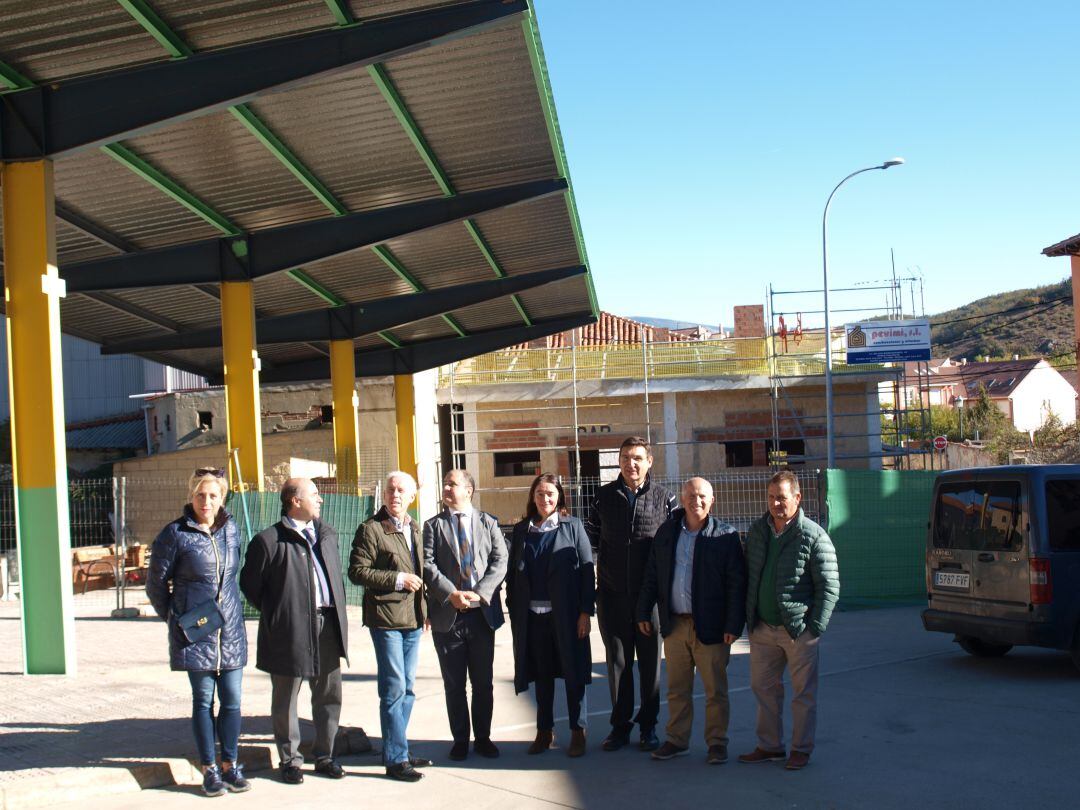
pixel 750 320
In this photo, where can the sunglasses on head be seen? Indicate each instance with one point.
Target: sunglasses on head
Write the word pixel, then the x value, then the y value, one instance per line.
pixel 217 472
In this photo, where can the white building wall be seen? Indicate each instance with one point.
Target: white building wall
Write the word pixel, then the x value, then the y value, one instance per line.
pixel 1041 392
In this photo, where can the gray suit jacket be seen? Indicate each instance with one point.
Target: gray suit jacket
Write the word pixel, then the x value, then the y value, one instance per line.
pixel 442 562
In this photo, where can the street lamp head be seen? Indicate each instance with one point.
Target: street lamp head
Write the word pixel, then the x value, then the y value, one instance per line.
pixel 896 161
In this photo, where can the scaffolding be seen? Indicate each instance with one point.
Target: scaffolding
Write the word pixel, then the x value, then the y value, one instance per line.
pixel 792 369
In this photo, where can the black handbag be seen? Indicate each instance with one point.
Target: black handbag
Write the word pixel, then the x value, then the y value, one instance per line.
pixel 202 620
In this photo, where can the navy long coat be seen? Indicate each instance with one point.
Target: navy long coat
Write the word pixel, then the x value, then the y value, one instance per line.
pixel 572 588
pixel 185 563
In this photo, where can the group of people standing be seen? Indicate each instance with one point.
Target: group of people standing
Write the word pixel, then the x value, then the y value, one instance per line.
pixel 647 564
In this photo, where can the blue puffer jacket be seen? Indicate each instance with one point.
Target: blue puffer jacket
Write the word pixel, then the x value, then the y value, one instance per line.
pixel 184 565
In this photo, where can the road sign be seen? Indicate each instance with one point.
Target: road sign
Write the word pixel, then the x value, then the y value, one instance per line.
pixel 940 442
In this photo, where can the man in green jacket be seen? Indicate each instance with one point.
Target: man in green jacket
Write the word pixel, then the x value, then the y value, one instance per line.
pixel 793 586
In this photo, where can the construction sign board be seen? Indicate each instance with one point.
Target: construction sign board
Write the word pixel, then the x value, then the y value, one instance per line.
pixel 888 341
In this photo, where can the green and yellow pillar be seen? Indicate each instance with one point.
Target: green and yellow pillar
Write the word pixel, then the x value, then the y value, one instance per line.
pixel 242 406
pixel 405 412
pixel 346 406
pixel 32 292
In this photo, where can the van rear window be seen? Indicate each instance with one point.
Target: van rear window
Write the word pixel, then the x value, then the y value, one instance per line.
pixel 982 516
pixel 1063 514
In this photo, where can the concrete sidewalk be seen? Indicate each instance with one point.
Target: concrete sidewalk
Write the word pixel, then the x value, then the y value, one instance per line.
pixel 906 718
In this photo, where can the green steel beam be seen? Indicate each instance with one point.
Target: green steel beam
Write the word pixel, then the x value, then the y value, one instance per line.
pixel 531 30
pixel 305 280
pixel 391 261
pixel 279 150
pixel 170 187
pixel 11 79
pixel 342 13
pixel 397 105
pixel 401 111
pixel 485 249
pixel 156 27
pixel 145 15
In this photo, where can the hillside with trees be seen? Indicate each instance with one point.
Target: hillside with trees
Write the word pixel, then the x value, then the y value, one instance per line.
pixel 1028 322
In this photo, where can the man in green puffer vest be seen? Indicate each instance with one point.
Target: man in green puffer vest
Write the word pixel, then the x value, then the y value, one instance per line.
pixel 793 586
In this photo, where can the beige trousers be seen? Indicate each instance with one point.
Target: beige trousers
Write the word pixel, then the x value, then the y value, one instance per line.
pixel 684 652
pixel 771 650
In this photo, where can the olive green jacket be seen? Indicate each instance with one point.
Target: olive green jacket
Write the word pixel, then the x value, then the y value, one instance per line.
pixel 807 576
pixel 379 553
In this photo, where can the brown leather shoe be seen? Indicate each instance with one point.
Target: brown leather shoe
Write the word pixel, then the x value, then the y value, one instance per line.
pixel 577 743
pixel 797 761
pixel 761 755
pixel 544 740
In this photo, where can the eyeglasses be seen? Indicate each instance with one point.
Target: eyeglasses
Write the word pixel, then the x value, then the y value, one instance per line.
pixel 217 472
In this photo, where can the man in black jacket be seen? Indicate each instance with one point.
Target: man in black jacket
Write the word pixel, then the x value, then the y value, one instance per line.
pixel 697 578
pixel 624 517
pixel 292 575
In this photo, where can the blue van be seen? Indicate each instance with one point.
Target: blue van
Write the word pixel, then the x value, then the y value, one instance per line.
pixel 1003 558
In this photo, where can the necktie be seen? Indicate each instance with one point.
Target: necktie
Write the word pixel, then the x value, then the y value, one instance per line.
pixel 326 599
pixel 465 552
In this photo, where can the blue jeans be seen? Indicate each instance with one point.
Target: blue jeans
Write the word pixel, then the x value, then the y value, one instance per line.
pixel 228 716
pixel 395 653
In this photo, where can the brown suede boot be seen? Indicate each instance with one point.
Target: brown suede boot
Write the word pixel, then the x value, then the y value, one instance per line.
pixel 544 740
pixel 577 743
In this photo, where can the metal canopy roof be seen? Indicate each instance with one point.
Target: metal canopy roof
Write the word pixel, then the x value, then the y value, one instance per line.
pixel 339 154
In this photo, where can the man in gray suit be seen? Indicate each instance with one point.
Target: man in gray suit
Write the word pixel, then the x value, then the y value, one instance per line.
pixel 464 568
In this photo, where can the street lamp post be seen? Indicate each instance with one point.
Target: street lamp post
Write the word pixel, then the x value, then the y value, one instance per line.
pixel 960 407
pixel 829 426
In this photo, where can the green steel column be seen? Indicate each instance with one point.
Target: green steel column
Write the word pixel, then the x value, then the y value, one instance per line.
pixel 32 289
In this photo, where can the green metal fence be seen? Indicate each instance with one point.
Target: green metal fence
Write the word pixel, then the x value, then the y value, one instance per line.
pixel 254 511
pixel 877 520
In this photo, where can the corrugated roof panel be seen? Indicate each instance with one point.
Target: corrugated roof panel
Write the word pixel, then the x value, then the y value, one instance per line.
pixel 366 10
pixel 72 245
pixel 442 257
pixel 278 295
pixel 47 40
pixel 344 132
pixel 370 342
pixel 219 161
pixel 127 434
pixel 531 236
pixel 93 184
pixel 81 316
pixel 558 300
pixel 476 102
pixel 489 315
pixel 358 276
pixel 208 26
pixel 279 353
pixel 182 304
pixel 427 329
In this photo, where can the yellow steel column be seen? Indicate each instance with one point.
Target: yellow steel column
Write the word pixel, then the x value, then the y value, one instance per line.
pixel 32 292
pixel 346 403
pixel 243 412
pixel 405 409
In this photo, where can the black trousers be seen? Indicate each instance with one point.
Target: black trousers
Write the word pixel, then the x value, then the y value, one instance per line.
pixel 467 649
pixel 325 700
pixel 543 658
pixel 615 613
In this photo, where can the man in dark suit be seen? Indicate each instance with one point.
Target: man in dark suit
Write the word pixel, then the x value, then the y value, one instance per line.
pixel 696 576
pixel 464 567
pixel 292 575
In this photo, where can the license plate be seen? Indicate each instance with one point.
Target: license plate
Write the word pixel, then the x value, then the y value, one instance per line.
pixel 952 579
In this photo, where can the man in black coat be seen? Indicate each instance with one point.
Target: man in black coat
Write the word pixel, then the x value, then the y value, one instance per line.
pixel 696 578
pixel 292 575
pixel 624 517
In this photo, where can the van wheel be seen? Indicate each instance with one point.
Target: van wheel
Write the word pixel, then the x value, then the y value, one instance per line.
pixel 982 649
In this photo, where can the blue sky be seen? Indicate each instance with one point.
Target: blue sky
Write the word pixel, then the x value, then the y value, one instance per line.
pixel 704 138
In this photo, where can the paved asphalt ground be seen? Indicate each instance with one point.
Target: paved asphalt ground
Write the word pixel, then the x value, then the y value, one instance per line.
pixel 907 720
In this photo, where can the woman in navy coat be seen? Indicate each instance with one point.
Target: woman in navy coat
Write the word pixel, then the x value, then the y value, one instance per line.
pixel 551 595
pixel 195 559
